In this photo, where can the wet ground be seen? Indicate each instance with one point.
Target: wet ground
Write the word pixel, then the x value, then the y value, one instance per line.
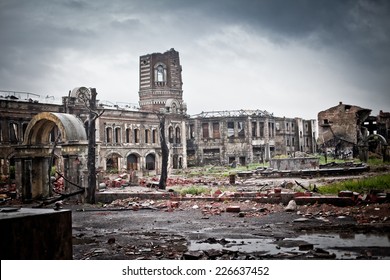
pixel 208 230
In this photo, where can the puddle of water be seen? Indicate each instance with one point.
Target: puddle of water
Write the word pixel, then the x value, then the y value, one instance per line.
pixel 340 245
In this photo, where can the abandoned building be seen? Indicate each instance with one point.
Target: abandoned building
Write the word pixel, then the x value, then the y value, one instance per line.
pixel 347 131
pixel 246 136
pixel 34 132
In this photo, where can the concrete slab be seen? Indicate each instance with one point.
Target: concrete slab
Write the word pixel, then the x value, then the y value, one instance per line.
pixel 35 234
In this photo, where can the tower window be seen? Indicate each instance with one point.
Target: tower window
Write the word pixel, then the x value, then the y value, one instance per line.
pixel 160 73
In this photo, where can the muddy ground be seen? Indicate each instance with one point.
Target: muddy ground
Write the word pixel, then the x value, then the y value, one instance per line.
pixel 196 228
pixel 136 228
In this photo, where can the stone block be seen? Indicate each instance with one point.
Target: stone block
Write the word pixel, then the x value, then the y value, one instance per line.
pixel 35 234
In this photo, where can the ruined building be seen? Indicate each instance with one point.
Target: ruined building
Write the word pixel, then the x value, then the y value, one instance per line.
pixel 246 136
pixel 347 131
pixel 128 137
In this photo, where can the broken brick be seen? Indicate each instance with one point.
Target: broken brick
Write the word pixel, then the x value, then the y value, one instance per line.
pixel 233 209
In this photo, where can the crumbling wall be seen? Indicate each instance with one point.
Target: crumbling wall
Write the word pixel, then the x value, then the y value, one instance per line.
pixel 295 164
pixel 341 128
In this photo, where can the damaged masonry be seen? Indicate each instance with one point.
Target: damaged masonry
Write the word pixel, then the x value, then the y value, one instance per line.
pixel 241 184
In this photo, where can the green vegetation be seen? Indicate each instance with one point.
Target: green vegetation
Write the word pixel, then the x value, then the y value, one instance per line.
pixel 374 161
pixel 194 190
pixel 53 171
pixel 12 172
pixel 364 185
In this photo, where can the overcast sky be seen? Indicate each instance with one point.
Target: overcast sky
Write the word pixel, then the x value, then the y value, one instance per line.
pixel 290 58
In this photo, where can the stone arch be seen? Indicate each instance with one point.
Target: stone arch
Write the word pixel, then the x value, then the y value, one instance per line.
pixel 113 161
pixel 150 161
pixel 363 148
pixel 39 128
pixel 177 161
pixel 376 137
pixel 160 73
pixel 33 158
pixel 133 161
pixel 172 106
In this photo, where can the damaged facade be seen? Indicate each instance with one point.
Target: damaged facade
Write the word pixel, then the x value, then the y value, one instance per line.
pixel 246 136
pixel 128 136
pixel 347 131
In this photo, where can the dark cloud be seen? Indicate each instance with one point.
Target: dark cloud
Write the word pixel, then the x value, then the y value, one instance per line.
pixel 41 39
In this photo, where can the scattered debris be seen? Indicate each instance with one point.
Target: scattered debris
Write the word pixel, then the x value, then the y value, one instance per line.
pixel 291 207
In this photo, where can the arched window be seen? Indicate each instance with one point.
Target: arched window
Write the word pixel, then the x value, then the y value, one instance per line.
pixel 117 135
pixel 108 134
pixel 136 135
pixel 154 136
pixel 14 132
pixel 128 135
pixel 177 135
pixel 170 134
pixel 132 162
pixel 150 162
pixel 160 74
pixel 147 136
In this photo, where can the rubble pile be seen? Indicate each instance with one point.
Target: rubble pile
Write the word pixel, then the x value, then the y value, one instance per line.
pixel 7 191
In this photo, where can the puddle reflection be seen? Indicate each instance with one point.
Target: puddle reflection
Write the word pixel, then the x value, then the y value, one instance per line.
pixel 343 245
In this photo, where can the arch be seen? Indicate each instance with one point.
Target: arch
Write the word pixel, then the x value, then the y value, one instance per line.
pixel 160 73
pixel 150 162
pixel 81 94
pixel 133 161
pixel 364 147
pixel 41 125
pixel 112 161
pixel 172 106
pixel 376 137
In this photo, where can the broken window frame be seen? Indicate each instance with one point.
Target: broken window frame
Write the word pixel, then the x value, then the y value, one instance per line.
pixel 240 129
pixel 13 132
pixel 230 129
pixel 192 131
pixel 216 130
pixel 254 129
pixel 205 131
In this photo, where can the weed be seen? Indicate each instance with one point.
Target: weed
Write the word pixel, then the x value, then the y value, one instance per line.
pixel 194 190
pixel 381 182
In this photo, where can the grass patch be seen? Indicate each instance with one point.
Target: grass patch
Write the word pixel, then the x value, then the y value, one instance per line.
pixel 364 185
pixel 194 190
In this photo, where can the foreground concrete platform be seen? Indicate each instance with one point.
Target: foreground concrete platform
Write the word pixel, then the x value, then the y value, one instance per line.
pixel 35 234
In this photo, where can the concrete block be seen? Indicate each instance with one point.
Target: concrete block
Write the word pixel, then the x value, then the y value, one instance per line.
pixel 35 234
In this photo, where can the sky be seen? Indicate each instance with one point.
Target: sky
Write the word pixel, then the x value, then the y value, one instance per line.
pixel 291 58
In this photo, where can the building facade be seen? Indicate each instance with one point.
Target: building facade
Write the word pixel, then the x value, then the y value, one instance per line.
pixel 349 131
pixel 129 139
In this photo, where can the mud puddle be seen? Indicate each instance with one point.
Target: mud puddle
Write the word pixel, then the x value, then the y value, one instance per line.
pixel 316 245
